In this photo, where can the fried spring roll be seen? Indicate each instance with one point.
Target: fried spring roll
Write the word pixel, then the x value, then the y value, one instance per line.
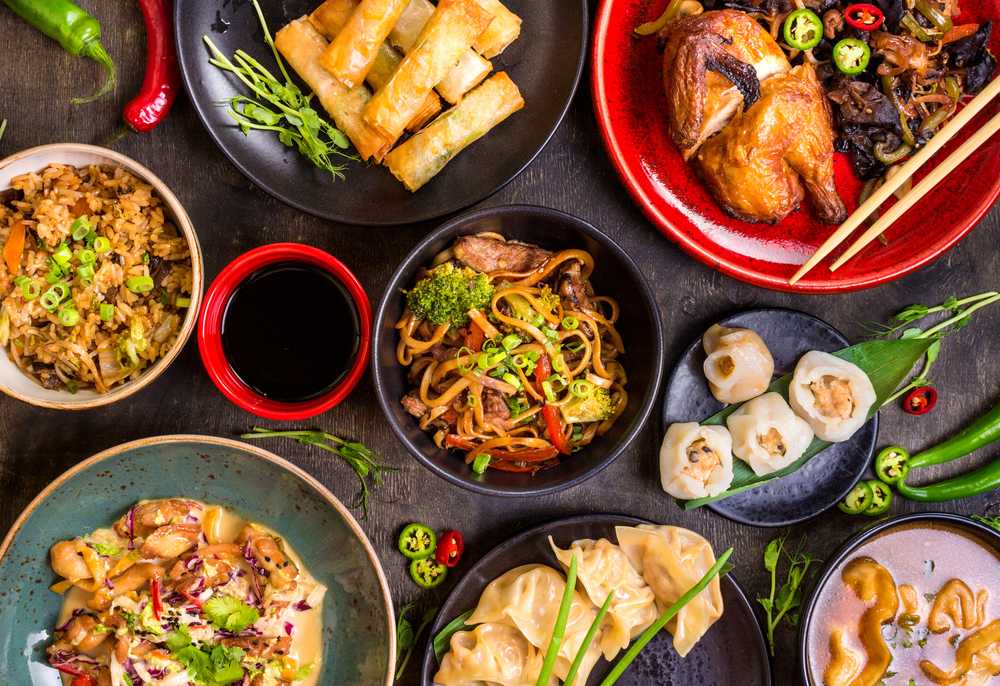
pixel 416 161
pixel 505 28
pixel 411 22
pixel 330 19
pixel 302 45
pixel 450 31
pixel 471 69
pixel 351 53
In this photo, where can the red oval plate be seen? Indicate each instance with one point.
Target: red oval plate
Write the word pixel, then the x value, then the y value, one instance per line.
pixel 631 110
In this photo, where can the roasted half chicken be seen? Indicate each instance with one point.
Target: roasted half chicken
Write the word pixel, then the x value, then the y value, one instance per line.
pixel 712 65
pixel 757 165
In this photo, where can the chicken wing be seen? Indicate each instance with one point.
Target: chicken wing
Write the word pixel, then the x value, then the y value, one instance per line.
pixel 712 64
pixel 757 165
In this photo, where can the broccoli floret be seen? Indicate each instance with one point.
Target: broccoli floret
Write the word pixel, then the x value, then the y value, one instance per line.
pixel 595 407
pixel 447 294
pixel 521 307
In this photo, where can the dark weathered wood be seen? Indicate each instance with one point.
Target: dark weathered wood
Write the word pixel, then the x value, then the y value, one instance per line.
pixel 37 80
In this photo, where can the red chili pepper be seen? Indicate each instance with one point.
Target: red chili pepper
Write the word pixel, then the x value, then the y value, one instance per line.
pixel 69 669
pixel 194 600
pixel 474 339
pixel 84 680
pixel 449 548
pixel 921 401
pixel 154 591
pixel 959 32
pixel 864 17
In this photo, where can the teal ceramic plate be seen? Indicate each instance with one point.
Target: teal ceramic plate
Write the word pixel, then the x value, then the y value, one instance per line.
pixel 359 641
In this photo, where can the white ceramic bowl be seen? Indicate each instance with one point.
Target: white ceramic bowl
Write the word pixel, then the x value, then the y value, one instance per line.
pixel 16 383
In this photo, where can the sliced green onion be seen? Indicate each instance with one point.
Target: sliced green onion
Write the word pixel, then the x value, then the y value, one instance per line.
pixel 480 464
pixel 86 271
pixel 49 301
pixel 80 232
pixel 534 355
pixel 186 302
pixel 462 352
pixel 63 255
pixel 582 653
pixel 72 386
pixel 145 257
pixel 512 380
pixel 547 389
pixel 53 276
pixel 90 237
pixel 140 284
pixel 551 334
pixel 483 361
pixel 107 312
pixel 570 323
pixel 519 361
pixel 61 291
pixel 86 282
pixel 559 363
pixel 31 290
pixel 490 346
pixel 86 256
pixel 497 359
pixel 21 280
pixel 538 320
pixel 510 342
pixel 470 402
pixel 558 383
pixel 102 244
pixel 68 316
pixel 581 388
pixel 560 626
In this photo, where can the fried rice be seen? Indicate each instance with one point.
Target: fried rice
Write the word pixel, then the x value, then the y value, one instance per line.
pixel 144 324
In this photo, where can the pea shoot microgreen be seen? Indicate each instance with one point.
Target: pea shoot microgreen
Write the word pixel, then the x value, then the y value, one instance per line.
pixel 406 638
pixel 788 597
pixel 3 127
pixel 993 522
pixel 360 458
pixel 297 124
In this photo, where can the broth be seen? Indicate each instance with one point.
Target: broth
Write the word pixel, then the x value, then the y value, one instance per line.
pixel 925 558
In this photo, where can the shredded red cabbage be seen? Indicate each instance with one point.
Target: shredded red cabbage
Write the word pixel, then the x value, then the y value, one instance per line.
pixel 110 584
pixel 301 606
pixel 65 625
pixel 289 628
pixel 130 518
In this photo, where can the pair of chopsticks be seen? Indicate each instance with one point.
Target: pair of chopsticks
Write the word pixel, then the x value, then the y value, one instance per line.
pixel 904 173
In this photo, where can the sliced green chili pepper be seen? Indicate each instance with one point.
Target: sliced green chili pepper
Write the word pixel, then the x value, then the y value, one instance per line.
pixel 417 541
pixel 892 465
pixel 882 498
pixel 943 23
pixel 916 29
pixel 803 29
pixel 78 33
pixel 858 500
pixel 851 56
pixel 428 572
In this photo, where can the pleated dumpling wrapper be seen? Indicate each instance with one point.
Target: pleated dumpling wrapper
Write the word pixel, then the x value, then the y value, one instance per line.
pixel 672 560
pixel 492 652
pixel 696 461
pixel 739 366
pixel 767 434
pixel 602 569
pixel 528 598
pixel 832 394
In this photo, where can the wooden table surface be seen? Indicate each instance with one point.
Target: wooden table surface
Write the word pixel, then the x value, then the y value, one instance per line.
pixel 573 174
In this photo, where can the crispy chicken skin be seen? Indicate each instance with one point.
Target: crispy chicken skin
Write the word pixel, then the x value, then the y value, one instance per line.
pixel 712 64
pixel 756 167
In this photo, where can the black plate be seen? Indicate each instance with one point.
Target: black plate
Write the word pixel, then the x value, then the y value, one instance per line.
pixel 732 653
pixel 826 478
pixel 545 62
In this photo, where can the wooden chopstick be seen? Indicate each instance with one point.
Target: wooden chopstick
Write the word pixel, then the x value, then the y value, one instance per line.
pixel 921 189
pixel 905 172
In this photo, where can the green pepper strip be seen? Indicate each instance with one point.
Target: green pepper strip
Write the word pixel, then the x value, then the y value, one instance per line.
pixel 858 500
pixel 652 27
pixel 942 113
pixel 881 498
pixel 903 121
pixel 896 155
pixel 934 15
pixel 892 465
pixel 915 28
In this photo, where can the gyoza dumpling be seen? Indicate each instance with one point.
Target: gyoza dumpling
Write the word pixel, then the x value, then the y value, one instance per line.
pixel 603 569
pixel 672 560
pixel 491 652
pixel 767 435
pixel 696 461
pixel 739 366
pixel 832 394
pixel 528 598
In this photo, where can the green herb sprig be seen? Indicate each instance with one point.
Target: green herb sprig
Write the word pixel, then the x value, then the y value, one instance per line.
pixel 789 596
pixel 993 522
pixel 298 125
pixel 442 641
pixel 3 127
pixel 406 638
pixel 212 666
pixel 360 458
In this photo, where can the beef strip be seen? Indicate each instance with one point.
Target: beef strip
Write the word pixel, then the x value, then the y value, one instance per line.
pixel 571 286
pixel 495 410
pixel 414 405
pixel 487 255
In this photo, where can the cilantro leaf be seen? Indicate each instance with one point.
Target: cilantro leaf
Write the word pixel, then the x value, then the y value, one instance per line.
pixel 179 639
pixel 230 614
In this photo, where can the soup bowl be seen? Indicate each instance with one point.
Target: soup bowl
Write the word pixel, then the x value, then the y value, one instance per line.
pixel 359 641
pixel 814 603
pixel 615 275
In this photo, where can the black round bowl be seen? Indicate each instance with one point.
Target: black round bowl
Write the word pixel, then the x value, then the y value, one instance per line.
pixel 614 274
pixel 986 535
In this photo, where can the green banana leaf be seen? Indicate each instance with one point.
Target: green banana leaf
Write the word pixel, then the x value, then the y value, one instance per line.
pixel 887 363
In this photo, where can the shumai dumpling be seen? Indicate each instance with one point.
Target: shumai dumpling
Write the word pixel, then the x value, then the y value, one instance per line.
pixel 739 366
pixel 767 435
pixel 696 461
pixel 832 394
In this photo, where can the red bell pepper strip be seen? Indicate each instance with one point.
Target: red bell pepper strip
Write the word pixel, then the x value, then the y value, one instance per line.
pixel 543 370
pixel 449 548
pixel 505 466
pixel 864 17
pixel 154 591
pixel 959 32
pixel 921 401
pixel 474 339
pixel 70 669
pixel 84 680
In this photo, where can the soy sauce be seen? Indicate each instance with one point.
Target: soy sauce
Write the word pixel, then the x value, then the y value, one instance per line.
pixel 291 332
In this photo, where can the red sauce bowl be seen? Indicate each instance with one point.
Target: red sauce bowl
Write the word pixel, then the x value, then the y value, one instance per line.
pixel 210 330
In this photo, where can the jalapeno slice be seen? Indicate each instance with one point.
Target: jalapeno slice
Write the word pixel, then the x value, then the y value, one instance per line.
pixel 803 29
pixel 428 572
pixel 417 541
pixel 851 56
pixel 858 500
pixel 892 465
pixel 882 498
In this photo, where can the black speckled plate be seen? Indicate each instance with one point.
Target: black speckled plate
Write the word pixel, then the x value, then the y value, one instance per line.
pixel 545 62
pixel 732 653
pixel 826 478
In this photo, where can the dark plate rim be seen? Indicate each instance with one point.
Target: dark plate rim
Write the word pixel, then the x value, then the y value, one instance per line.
pixel 201 109
pixel 444 615
pixel 714 506
pixel 397 281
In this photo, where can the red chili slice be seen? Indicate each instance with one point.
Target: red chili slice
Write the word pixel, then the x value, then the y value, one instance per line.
pixel 864 17
pixel 84 680
pixel 921 400
pixel 449 548
pixel 194 600
pixel 154 592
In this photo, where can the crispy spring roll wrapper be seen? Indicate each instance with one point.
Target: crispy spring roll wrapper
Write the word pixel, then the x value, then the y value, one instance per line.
pixel 351 53
pixel 451 30
pixel 330 19
pixel 470 71
pixel 302 45
pixel 411 22
pixel 416 161
pixel 506 27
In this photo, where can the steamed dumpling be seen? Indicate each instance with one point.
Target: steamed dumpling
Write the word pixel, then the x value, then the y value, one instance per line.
pixel 696 461
pixel 604 569
pixel 491 652
pixel 672 560
pixel 739 366
pixel 767 435
pixel 832 394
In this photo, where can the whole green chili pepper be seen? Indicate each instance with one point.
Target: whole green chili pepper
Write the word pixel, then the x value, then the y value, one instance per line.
pixel 78 33
pixel 980 481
